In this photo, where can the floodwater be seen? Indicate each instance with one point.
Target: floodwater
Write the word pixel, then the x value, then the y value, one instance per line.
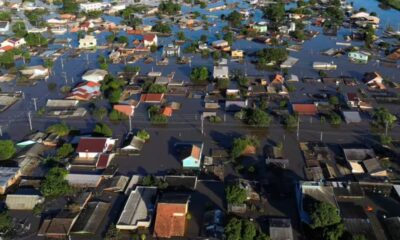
pixel 71 70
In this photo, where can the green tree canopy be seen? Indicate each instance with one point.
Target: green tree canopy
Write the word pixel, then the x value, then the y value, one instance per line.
pixel 199 75
pixel 169 7
pixel 324 215
pixel 35 40
pixel 5 222
pixel 7 149
pixel 275 12
pixel 235 194
pixel 257 117
pixel 157 88
pixel 240 144
pixel 102 129
pixel 382 116
pixel 55 184
pixel 64 151
pixel 60 129
pixel 143 134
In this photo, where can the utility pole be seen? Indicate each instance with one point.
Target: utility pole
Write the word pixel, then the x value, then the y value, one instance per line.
pixel 34 103
pixel 386 128
pixel 30 120
pixel 65 78
pixel 298 127
pixel 130 123
pixel 202 125
pixel 1 132
pixel 62 64
pixel 320 137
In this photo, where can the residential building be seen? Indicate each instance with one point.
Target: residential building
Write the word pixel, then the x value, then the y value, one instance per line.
pixel 171 216
pixel 261 27
pixel 59 226
pixel 237 54
pixel 93 6
pixel 84 180
pixel 152 97
pixel 95 75
pixel 23 200
pixel 220 44
pixel 192 156
pixel 305 109
pixel 91 218
pixel 280 229
pixel 4 26
pixel 13 42
pixel 351 116
pixel 35 72
pixel 352 100
pixel 94 152
pixel 364 161
pixel 150 40
pixel 127 110
pixel 171 50
pixel 85 91
pixel 374 80
pixel 8 176
pixel 139 209
pixel 358 57
pixel 88 42
pixel 221 72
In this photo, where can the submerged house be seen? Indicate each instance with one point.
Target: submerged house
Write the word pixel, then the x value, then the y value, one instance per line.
pixel 358 57
pixel 192 156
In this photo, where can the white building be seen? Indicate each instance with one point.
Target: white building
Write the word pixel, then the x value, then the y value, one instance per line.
pixel 13 42
pixel 4 26
pixel 93 6
pixel 95 75
pixel 221 72
pixel 92 147
pixel 88 42
pixel 150 40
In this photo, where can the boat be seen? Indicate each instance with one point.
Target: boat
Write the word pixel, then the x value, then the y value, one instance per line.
pixel 59 31
pixel 149 60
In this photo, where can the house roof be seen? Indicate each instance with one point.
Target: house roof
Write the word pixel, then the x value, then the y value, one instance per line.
pixel 304 108
pixel 91 217
pixel 196 151
pixel 152 97
pixel 103 161
pixel 127 110
pixel 171 216
pixel 167 111
pixel 149 37
pixel 89 144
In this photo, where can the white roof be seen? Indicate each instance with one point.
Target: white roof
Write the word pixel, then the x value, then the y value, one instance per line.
pixel 87 180
pixel 351 116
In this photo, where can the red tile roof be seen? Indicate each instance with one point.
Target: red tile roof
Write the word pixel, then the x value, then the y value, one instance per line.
pixel 127 110
pixel 103 161
pixel 91 145
pixel 152 97
pixel 149 37
pixel 304 108
pixel 6 48
pixel 167 111
pixel 170 220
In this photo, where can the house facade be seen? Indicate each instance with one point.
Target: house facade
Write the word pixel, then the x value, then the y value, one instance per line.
pixel 193 160
pixel 88 42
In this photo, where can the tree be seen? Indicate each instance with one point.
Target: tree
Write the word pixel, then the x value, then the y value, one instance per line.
pixel 143 134
pixel 240 144
pixel 233 229
pixel 334 232
pixel 7 58
pixel 161 28
pixel 7 149
pixel 275 12
pixel 35 40
pixel 235 194
pixel 199 75
pixel 112 233
pixel 359 237
pixel 169 7
pixel 157 88
pixel 116 116
pixel 19 29
pixel 123 39
pixel 203 38
pixel 229 37
pixel 5 222
pixel 324 215
pixel 55 184
pixel 385 140
pixel 335 118
pixel 382 118
pixel 290 121
pixel 234 18
pixel 100 113
pixel 334 100
pixel 64 151
pixel 70 6
pixel 5 16
pixel 60 129
pixel 102 129
pixel 180 36
pixel 257 118
pixel 249 230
